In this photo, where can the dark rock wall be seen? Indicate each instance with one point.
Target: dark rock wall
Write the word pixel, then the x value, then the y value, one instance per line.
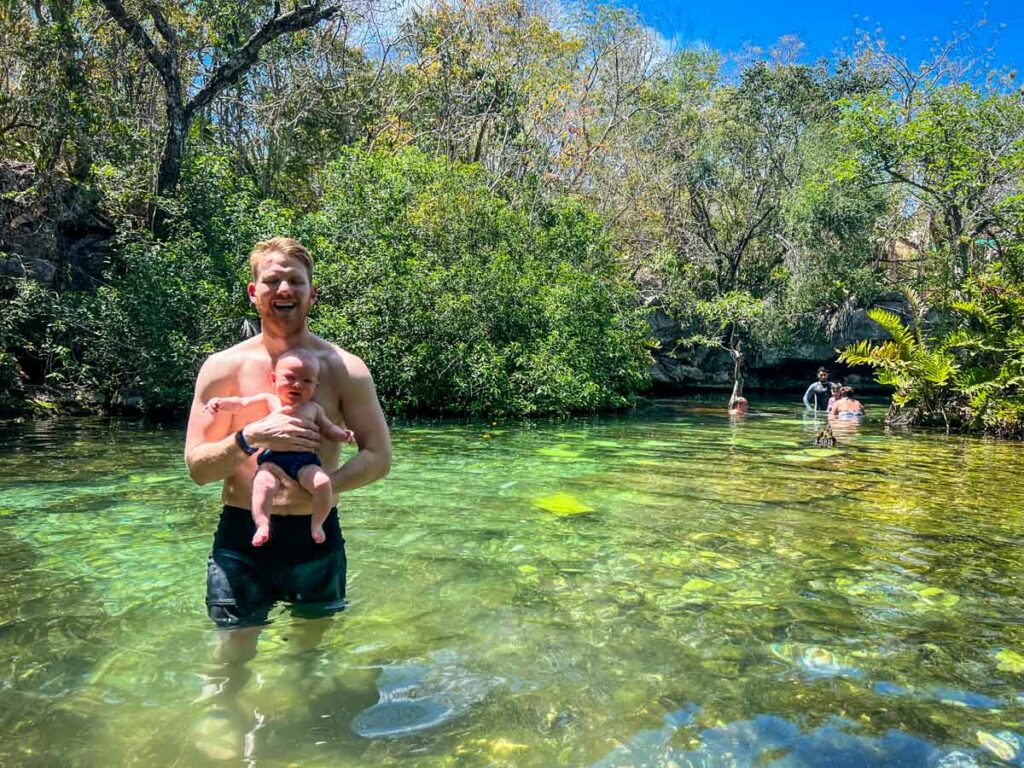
pixel 788 368
pixel 51 229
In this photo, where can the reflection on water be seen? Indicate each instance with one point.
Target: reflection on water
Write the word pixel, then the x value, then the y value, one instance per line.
pixel 673 586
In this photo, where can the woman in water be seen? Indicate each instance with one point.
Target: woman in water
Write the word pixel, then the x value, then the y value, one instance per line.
pixel 846 407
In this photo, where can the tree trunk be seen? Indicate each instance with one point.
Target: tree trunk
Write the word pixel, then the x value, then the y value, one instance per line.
pixel 737 373
pixel 170 162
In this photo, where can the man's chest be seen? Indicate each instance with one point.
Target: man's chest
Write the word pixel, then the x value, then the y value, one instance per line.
pixel 256 382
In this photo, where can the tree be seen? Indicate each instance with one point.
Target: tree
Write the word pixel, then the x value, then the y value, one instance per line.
pixel 731 320
pixel 955 156
pixel 167 57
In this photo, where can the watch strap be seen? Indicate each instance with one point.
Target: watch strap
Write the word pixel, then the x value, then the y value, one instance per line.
pixel 242 443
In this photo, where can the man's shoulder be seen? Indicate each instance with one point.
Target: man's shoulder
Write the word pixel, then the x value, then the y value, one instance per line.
pixel 229 361
pixel 341 363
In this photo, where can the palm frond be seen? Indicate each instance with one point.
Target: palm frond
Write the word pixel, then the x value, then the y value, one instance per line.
pixel 936 368
pixel 896 327
pixel 991 317
pixel 916 302
pixel 973 379
pixel 965 338
pixel 871 353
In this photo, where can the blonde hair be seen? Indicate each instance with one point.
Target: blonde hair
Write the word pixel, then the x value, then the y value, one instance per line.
pixel 286 246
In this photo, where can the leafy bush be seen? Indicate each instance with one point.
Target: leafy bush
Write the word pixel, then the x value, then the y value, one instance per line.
pixel 461 303
pixel 458 301
pixel 138 339
pixel 970 374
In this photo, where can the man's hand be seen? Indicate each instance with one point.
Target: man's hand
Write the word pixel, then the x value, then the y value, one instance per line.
pixel 281 431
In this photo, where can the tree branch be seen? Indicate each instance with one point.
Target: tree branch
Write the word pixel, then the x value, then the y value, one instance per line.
pixel 136 32
pixel 231 71
pixel 165 29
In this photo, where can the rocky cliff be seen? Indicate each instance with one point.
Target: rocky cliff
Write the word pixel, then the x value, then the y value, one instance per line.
pixel 51 228
pixel 788 368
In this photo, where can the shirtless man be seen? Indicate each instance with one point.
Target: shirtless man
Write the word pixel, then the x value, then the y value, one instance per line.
pixel 243 582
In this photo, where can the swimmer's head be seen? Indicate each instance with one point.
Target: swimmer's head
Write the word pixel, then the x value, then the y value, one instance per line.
pixel 295 376
pixel 738 404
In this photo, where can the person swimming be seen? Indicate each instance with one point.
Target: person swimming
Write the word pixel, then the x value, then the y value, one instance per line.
pixel 846 406
pixel 837 387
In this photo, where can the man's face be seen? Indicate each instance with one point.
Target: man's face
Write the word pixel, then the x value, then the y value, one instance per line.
pixel 282 293
pixel 822 376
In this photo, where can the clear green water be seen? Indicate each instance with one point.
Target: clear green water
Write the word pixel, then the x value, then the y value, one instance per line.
pixel 668 588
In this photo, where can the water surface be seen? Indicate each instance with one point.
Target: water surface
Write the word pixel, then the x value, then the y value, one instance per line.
pixel 665 587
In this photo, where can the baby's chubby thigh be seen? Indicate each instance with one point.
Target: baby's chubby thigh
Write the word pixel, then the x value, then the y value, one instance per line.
pixel 270 477
pixel 314 479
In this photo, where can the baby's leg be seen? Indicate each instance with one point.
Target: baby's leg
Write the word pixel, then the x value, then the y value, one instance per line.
pixel 264 485
pixel 315 480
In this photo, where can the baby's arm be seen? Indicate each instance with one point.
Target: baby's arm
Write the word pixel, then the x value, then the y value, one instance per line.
pixel 231 404
pixel 332 431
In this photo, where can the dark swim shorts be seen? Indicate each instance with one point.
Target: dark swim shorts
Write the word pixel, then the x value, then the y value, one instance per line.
pixel 290 461
pixel 243 582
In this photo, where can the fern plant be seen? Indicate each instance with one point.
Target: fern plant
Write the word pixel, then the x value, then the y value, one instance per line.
pixel 972 375
pixel 988 340
pixel 919 371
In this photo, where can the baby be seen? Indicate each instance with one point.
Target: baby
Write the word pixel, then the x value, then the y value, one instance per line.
pixel 294 380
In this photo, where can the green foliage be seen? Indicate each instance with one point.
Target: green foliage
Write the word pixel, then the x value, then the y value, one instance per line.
pixel 757 209
pixel 954 155
pixel 920 372
pixel 971 374
pixel 461 303
pixel 137 340
pixel 458 301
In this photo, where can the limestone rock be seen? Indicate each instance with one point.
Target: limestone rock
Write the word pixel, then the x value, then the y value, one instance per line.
pixel 51 229
pixel 790 367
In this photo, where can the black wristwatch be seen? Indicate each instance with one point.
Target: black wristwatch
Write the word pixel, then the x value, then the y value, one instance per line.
pixel 242 443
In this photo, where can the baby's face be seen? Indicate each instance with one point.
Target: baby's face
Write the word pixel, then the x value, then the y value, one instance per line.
pixel 294 381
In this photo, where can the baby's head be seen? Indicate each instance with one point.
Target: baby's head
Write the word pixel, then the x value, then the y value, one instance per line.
pixel 295 376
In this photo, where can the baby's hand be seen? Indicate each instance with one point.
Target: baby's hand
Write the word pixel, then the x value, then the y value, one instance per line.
pixel 217 404
pixel 340 435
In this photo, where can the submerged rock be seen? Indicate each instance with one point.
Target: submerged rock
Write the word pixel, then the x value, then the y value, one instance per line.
pixel 418 696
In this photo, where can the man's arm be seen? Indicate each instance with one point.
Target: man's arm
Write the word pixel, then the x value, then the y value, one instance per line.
pixel 330 430
pixel 362 413
pixel 211 452
pixel 807 397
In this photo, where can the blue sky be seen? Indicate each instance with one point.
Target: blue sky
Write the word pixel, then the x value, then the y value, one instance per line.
pixel 728 24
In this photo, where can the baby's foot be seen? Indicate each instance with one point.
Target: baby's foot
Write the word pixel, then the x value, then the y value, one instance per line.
pixel 318 533
pixel 261 536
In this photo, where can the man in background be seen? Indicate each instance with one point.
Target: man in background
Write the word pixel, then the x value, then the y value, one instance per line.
pixel 817 395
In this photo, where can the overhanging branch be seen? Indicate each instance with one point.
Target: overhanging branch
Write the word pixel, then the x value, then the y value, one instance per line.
pixel 137 33
pixel 231 71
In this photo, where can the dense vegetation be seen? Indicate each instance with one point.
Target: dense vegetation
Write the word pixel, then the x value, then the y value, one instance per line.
pixel 496 190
